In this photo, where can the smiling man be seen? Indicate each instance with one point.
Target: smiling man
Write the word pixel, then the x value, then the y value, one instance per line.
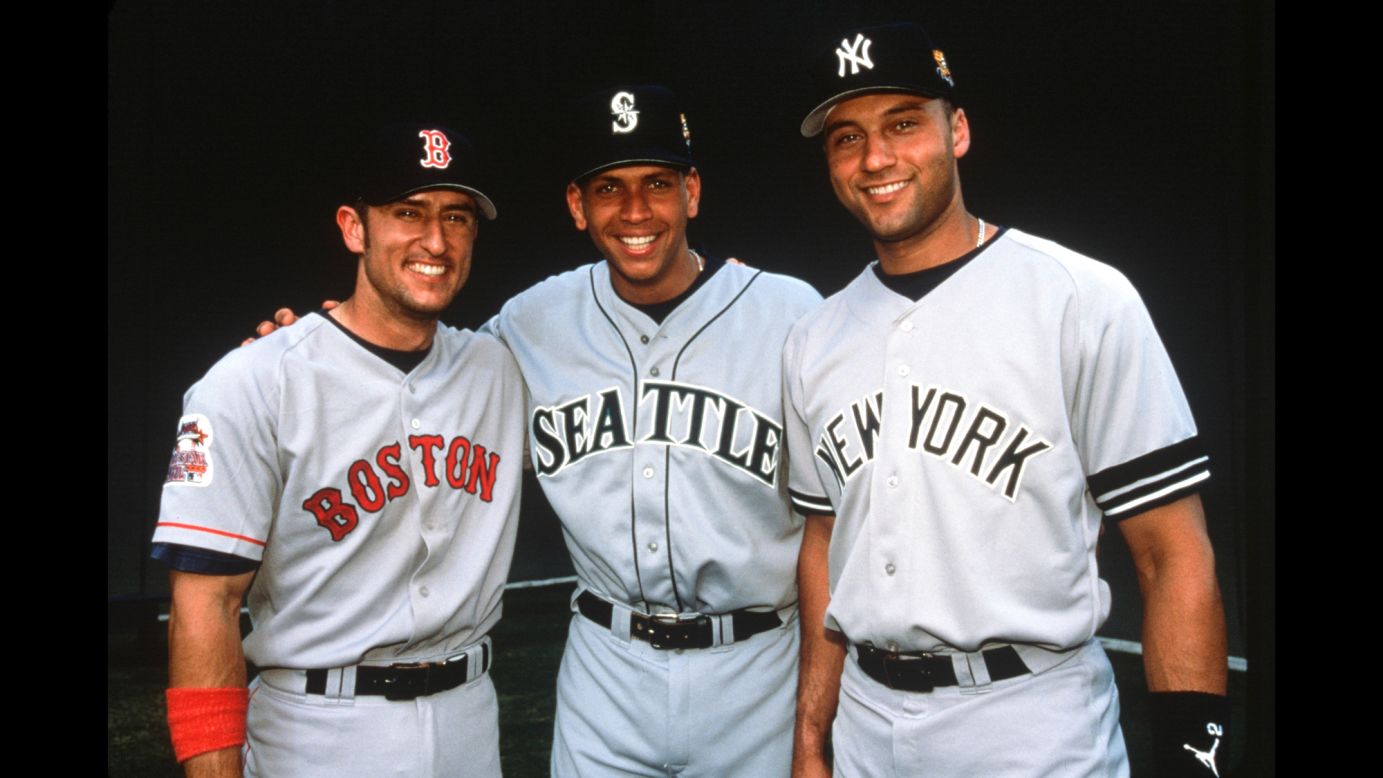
pixel 656 429
pixel 963 417
pixel 357 475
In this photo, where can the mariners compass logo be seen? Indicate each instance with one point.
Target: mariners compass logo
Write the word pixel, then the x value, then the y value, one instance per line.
pixel 622 108
pixel 191 462
pixel 857 54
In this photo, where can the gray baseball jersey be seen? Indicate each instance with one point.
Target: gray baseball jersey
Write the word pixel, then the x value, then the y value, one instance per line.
pixel 970 443
pixel 660 446
pixel 382 506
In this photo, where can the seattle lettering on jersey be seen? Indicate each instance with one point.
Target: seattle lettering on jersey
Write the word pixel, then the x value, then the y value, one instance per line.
pixel 463 464
pixel 938 416
pixel 684 415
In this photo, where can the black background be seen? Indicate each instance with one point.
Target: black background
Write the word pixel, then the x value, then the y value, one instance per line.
pixel 1137 133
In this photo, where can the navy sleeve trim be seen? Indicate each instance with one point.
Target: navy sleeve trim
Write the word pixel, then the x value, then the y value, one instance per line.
pixel 1152 480
pixel 190 559
pixel 810 503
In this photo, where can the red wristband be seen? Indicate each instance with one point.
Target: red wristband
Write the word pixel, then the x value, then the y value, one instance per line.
pixel 202 720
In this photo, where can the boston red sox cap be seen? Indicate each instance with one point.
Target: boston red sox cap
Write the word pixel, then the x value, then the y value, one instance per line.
pixel 627 125
pixel 398 159
pixel 889 58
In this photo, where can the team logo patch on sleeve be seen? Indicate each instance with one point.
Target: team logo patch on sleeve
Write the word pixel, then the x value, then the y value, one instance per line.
pixel 191 462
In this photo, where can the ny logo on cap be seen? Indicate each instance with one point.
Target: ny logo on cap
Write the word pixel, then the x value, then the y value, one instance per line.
pixel 622 108
pixel 436 148
pixel 857 53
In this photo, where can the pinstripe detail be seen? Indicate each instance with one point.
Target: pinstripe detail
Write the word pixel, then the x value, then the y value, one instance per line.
pixel 1162 477
pixel 1133 505
pixel 810 503
pixel 209 530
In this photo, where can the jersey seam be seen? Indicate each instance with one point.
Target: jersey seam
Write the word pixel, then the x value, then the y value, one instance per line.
pixel 633 431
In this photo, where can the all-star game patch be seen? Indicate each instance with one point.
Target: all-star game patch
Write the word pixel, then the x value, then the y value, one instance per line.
pixel 191 463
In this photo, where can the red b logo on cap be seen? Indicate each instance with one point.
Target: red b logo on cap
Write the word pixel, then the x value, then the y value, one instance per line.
pixel 436 147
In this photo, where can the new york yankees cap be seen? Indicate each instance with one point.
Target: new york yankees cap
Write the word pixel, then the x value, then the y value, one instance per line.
pixel 627 125
pixel 397 159
pixel 888 58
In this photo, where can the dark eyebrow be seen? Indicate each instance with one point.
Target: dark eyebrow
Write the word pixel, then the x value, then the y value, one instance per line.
pixel 833 126
pixel 904 107
pixel 909 104
pixel 453 207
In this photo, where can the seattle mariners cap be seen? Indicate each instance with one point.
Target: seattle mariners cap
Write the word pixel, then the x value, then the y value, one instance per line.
pixel 627 125
pixel 891 58
pixel 399 159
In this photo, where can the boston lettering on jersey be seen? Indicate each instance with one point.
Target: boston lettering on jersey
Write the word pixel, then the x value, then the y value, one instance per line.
pixel 464 465
pixel 938 416
pixel 682 415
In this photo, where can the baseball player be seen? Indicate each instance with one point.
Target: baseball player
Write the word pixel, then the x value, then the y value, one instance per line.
pixel 656 431
pixel 357 476
pixel 657 436
pixel 963 416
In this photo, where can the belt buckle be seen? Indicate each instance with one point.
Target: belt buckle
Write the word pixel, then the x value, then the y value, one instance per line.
pixel 913 673
pixel 404 685
pixel 671 631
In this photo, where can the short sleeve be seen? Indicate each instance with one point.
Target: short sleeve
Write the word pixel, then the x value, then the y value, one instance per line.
pixel 223 480
pixel 1131 420
pixel 805 486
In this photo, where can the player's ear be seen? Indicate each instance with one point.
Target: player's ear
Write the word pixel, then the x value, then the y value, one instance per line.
pixel 692 181
pixel 960 132
pixel 352 229
pixel 575 206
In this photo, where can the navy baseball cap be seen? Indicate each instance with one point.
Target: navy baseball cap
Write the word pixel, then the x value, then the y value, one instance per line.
pixel 399 159
pixel 627 125
pixel 889 58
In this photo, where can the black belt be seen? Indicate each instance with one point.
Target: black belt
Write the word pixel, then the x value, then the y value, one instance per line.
pixel 673 631
pixel 405 681
pixel 924 672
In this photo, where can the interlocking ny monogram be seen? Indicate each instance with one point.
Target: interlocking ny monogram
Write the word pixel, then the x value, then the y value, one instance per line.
pixel 857 53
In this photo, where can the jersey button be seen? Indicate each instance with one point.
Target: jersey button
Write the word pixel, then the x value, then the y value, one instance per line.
pixel 643 338
pixel 652 548
pixel 905 326
pixel 415 424
pixel 653 371
pixel 893 481
pixel 424 591
pixel 903 370
pixel 889 568
pixel 412 389
pixel 648 472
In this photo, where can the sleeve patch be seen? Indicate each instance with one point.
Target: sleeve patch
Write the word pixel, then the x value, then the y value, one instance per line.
pixel 191 464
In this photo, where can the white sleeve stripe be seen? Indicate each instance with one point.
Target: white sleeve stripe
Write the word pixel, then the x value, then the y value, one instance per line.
pixel 1112 493
pixel 812 504
pixel 1133 504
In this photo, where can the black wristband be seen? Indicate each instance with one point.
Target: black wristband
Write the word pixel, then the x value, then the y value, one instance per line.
pixel 1189 730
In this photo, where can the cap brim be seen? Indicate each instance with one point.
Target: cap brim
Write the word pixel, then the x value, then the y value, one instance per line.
pixel 815 120
pixel 487 206
pixel 639 159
